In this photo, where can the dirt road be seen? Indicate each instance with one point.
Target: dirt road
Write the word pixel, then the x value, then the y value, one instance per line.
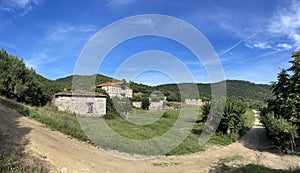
pixel 69 155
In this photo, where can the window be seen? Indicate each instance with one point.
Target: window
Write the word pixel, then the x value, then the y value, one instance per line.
pixel 90 107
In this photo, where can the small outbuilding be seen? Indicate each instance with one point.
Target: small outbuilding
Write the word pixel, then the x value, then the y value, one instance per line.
pixel 81 102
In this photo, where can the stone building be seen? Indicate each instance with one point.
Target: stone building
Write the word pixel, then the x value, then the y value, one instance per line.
pixel 157 105
pixel 116 89
pixel 81 102
pixel 137 104
pixel 193 102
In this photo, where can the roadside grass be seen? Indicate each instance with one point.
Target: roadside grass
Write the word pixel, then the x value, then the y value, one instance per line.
pixel 14 161
pixel 65 122
pixel 12 157
pixel 250 168
pixel 49 115
pixel 248 120
pixel 234 164
pixel 225 163
pixel 157 124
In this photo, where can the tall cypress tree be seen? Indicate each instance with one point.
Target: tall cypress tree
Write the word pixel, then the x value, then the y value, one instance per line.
pixel 295 87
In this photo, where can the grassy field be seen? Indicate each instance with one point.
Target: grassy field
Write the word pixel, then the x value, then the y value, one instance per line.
pixel 141 125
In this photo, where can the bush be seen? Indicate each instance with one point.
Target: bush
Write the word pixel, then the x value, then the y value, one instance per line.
pixel 145 103
pixel 232 117
pixel 280 130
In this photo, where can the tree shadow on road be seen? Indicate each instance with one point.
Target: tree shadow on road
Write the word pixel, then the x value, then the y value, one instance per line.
pixel 257 139
pixel 13 140
pixel 250 168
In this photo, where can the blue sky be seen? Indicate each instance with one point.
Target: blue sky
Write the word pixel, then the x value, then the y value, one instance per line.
pixel 253 38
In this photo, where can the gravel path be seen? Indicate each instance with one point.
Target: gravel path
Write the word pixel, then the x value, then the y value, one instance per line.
pixel 69 155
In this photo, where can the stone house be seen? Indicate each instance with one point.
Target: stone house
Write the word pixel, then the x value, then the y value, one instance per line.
pixel 137 104
pixel 116 89
pixel 193 102
pixel 81 102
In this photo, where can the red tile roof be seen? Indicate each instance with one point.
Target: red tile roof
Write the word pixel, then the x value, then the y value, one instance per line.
pixel 81 93
pixel 110 84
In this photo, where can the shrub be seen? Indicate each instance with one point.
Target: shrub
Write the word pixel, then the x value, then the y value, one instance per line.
pixel 280 130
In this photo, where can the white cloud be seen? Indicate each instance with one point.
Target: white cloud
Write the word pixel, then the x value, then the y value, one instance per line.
pixel 39 58
pixel 286 22
pixel 60 32
pixel 260 45
pixel 284 46
pixel 118 3
pixel 8 45
pixel 21 7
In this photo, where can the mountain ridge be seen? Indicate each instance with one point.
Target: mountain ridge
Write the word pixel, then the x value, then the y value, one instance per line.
pixel 245 90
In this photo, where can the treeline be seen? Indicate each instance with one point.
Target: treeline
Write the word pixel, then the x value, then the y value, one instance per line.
pixel 243 90
pixel 282 115
pixel 19 83
pixel 83 81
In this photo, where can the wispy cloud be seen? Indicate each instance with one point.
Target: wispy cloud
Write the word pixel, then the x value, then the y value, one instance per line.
pixel 259 45
pixel 284 46
pixel 59 32
pixel 21 7
pixel 38 59
pixel 118 3
pixel 287 23
pixel 8 45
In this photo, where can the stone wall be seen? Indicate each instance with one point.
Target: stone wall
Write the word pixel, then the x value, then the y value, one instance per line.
pixel 92 106
pixel 137 104
pixel 156 105
pixel 193 101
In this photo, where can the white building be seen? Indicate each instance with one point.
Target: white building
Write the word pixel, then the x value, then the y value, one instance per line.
pixel 116 89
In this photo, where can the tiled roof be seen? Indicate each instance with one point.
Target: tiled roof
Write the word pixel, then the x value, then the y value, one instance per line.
pixel 110 84
pixel 81 93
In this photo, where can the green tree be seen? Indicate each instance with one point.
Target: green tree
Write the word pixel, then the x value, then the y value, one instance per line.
pixel 18 82
pixel 232 117
pixel 145 103
pixel 282 116
pixel 294 93
pixel 286 91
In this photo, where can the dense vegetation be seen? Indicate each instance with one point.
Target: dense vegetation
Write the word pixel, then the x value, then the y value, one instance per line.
pixel 254 94
pixel 22 84
pixel 233 121
pixel 282 115
pixel 244 90
pixel 83 80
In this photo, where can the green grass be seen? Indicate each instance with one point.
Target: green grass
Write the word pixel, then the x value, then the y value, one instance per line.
pixel 249 119
pixel 154 124
pixel 65 122
pixel 14 161
pixel 221 139
pixel 251 168
pixel 234 164
pixel 50 116
pixel 12 157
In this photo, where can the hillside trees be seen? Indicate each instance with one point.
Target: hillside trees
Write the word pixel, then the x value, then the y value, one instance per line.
pixel 19 83
pixel 282 116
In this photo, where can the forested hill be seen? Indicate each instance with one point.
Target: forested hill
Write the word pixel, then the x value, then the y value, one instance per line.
pixel 235 88
pixel 67 81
